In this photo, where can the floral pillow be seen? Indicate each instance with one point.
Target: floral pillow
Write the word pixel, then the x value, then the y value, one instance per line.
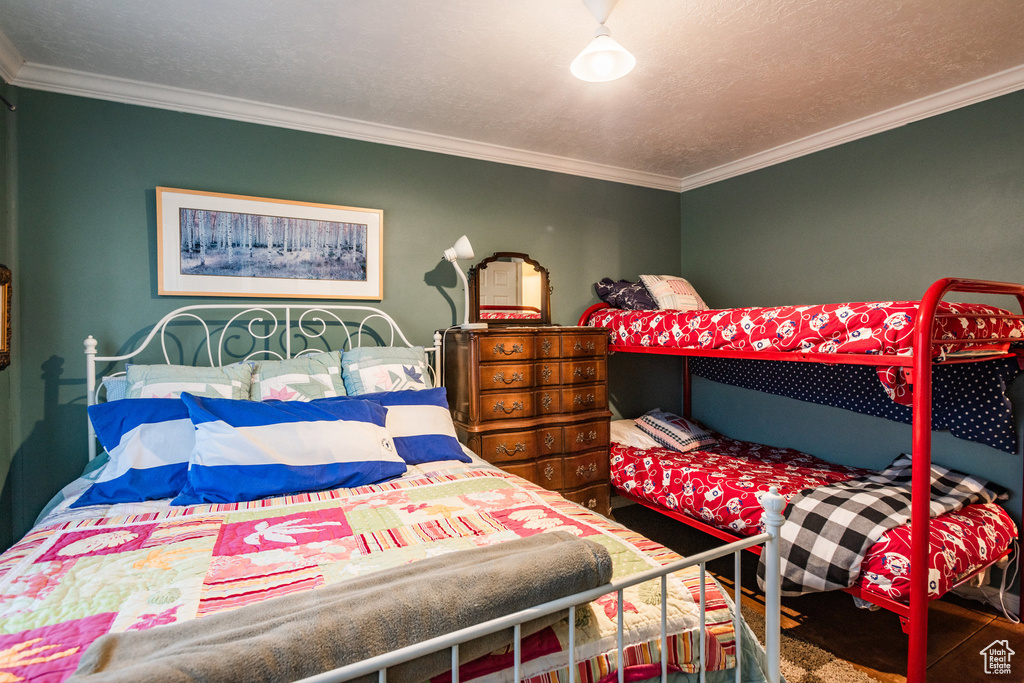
pixel 629 296
pixel 385 368
pixel 303 378
pixel 170 381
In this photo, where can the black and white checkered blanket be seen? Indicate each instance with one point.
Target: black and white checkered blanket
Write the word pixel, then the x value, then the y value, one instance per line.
pixel 829 529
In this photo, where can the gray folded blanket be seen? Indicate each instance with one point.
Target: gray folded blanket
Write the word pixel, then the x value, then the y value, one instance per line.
pixel 299 635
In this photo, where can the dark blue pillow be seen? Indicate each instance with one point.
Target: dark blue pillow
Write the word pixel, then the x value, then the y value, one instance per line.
pixel 630 296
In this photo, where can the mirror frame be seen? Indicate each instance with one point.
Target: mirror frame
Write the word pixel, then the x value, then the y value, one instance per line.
pixel 474 291
pixel 5 316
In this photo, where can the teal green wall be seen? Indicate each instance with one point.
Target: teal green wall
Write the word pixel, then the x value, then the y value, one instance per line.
pixel 87 238
pixel 7 131
pixel 876 219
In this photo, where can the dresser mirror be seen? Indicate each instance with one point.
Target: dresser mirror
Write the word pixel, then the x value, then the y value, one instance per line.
pixel 509 288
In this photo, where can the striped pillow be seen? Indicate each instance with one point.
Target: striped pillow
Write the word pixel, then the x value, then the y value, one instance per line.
pixel 677 433
pixel 673 293
pixel 247 450
pixel 421 425
pixel 149 441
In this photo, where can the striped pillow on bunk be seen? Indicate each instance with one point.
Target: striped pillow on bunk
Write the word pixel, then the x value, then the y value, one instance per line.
pixel 247 450
pixel 675 432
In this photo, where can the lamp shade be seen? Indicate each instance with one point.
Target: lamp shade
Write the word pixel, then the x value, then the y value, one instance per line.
pixel 602 60
pixel 462 250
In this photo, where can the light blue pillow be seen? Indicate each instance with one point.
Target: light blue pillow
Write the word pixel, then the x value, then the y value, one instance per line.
pixel 247 450
pixel 149 441
pixel 420 424
pixel 116 387
pixel 384 368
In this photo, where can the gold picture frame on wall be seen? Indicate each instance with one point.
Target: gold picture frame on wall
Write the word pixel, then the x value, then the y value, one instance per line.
pixel 5 316
pixel 213 244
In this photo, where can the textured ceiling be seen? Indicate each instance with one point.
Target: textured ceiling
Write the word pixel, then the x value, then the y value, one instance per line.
pixel 715 81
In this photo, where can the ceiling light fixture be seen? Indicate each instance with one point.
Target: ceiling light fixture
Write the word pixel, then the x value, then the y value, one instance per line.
pixel 604 59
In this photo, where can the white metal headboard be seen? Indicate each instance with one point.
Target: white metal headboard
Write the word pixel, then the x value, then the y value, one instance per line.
pixel 286 323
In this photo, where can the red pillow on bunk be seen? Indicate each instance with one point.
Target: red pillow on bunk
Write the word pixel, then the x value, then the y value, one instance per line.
pixel 675 432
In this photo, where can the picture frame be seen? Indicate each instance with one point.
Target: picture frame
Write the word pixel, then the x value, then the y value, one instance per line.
pixel 5 316
pixel 215 244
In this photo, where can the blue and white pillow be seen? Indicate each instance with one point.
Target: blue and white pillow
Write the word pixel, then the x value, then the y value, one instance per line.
pixel 420 424
pixel 149 441
pixel 247 450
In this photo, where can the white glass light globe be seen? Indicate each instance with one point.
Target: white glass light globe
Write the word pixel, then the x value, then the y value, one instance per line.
pixel 602 60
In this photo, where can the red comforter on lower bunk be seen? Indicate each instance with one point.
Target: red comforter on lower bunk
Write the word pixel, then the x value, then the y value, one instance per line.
pixel 721 486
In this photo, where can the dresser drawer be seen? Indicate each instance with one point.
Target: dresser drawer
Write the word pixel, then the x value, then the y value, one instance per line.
pixel 587 468
pixel 597 498
pixel 583 371
pixel 549 345
pixel 584 397
pixel 549 372
pixel 506 348
pixel 506 405
pixel 525 445
pixel 586 435
pixel 546 473
pixel 506 375
pixel 548 401
pixel 584 344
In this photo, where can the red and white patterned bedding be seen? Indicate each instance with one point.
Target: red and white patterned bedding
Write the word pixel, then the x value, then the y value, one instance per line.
pixel 721 486
pixel 858 328
pixel 509 315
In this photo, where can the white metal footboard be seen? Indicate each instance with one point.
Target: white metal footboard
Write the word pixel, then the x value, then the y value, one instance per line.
pixel 773 504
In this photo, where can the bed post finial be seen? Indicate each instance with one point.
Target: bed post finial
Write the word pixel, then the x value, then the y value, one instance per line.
pixel 438 360
pixel 773 505
pixel 90 388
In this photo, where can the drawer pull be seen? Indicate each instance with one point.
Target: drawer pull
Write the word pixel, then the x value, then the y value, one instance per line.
pixel 546 401
pixel 588 373
pixel 587 471
pixel 592 503
pixel 549 441
pixel 549 472
pixel 502 449
pixel 580 346
pixel 581 400
pixel 545 345
pixel 516 377
pixel 589 437
pixel 500 348
pixel 500 406
pixel 545 372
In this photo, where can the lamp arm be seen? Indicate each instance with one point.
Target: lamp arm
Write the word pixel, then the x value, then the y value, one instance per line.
pixel 465 293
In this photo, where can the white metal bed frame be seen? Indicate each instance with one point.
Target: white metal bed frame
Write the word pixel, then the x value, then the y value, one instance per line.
pixel 312 322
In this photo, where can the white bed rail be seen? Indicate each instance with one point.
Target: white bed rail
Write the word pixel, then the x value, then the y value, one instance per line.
pixel 773 504
pixel 285 324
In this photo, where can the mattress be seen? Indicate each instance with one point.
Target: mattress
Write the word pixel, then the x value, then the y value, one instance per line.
pixel 82 573
pixel 722 485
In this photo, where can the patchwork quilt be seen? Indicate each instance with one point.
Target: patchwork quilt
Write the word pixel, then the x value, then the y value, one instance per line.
pixel 86 572
pixel 885 327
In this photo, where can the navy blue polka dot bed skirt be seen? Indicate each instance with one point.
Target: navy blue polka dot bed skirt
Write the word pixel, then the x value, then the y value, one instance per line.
pixel 968 399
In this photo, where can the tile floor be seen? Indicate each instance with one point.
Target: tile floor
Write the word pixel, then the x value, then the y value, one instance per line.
pixel 871 641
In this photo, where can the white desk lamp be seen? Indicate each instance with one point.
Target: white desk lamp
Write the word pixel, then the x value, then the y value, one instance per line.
pixel 463 250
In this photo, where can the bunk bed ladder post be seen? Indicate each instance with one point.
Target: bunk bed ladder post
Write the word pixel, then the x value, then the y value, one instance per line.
pixel 686 387
pixel 921 480
pixel 773 505
pixel 90 389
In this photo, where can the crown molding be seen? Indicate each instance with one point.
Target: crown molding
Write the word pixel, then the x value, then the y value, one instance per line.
pixel 11 60
pixel 71 82
pixel 986 88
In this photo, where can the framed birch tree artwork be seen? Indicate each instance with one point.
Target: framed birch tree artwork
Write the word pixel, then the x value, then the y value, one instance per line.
pixel 212 244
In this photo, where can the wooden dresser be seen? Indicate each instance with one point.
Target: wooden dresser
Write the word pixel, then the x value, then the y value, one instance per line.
pixel 534 401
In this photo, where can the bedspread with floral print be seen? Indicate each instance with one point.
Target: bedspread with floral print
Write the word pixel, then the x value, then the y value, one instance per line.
pixel 86 572
pixel 885 327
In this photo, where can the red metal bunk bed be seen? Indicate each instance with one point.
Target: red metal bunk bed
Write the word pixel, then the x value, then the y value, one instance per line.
pixel 916 368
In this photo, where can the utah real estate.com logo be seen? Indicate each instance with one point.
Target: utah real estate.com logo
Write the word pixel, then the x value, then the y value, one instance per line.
pixel 997 657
